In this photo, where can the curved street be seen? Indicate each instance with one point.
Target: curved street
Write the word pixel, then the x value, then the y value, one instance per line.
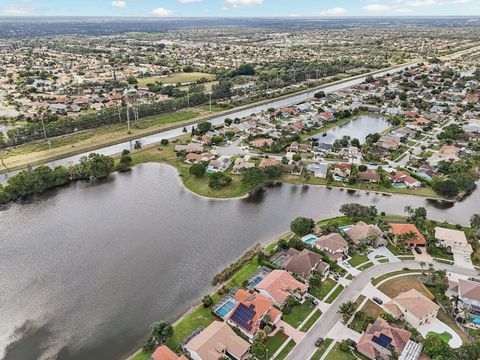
pixel 306 347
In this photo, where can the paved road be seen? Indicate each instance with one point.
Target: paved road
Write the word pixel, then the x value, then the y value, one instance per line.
pixel 306 347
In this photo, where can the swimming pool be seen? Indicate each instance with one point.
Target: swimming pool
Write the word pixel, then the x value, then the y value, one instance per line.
pixel 475 319
pixel 225 308
pixel 255 281
pixel 399 185
pixel 309 239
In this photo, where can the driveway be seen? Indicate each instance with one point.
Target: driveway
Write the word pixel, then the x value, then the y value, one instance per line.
pixel 341 332
pixel 307 346
pixel 350 270
pixel 424 256
pixel 290 331
pixel 439 327
pixel 384 252
pixel 463 260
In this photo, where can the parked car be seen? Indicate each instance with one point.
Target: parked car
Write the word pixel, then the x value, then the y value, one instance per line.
pixel 311 299
pixel 347 265
pixel 377 300
pixel 417 250
pixel 319 342
pixel 351 343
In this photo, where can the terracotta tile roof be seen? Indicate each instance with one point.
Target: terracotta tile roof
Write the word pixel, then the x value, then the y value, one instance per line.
pixel 361 231
pixel 416 303
pixel 279 284
pixel 469 289
pixel 164 353
pixel 403 228
pixel 303 262
pixel 333 242
pixel 217 338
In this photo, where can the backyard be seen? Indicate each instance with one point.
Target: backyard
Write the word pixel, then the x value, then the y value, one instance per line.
pixel 298 314
pixel 320 292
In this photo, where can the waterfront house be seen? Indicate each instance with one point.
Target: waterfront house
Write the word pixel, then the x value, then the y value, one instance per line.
pixel 468 291
pixel 216 341
pixel 366 233
pixel 342 171
pixel 369 175
pixel 219 165
pixel 304 263
pixel 403 178
pixel 164 353
pixel 241 164
pixel 453 240
pixel 319 170
pixel 250 310
pixel 402 228
pixel 264 163
pixel 334 245
pixel 413 307
pixel 279 284
pixel 446 153
pixel 380 339
pixel 296 147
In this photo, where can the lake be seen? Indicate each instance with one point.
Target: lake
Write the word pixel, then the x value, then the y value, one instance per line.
pixel 358 128
pixel 87 268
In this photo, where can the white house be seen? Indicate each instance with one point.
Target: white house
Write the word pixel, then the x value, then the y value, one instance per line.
pixel 468 291
pixel 453 240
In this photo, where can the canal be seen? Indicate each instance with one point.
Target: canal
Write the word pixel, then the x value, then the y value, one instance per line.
pixel 86 268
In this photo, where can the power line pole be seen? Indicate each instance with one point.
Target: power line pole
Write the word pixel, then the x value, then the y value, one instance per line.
pixel 45 135
pixel 188 98
pixel 1 155
pixel 210 96
pixel 128 120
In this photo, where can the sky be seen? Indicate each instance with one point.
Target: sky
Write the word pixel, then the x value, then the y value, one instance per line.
pixel 240 8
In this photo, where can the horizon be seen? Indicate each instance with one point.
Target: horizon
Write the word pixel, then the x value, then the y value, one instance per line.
pixel 241 8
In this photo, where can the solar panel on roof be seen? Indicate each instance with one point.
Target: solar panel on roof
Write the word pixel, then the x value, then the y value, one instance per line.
pixel 243 316
pixel 382 340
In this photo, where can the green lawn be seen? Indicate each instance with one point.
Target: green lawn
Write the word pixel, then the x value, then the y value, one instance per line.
pixel 392 248
pixel 286 350
pixel 298 314
pixel 142 355
pixel 311 321
pixel 321 350
pixel 446 336
pixel 274 342
pixel 393 273
pixel 366 266
pixel 358 259
pixel 337 354
pixel 335 293
pixel 324 289
pixel 167 118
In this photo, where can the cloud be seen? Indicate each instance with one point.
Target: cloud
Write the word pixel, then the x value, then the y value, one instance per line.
pixel 461 1
pixel 336 11
pixel 162 12
pixel 400 6
pixel 243 3
pixel 188 1
pixel 17 10
pixel 119 4
pixel 376 7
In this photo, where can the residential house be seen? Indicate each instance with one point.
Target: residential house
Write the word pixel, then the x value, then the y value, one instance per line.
pixel 250 310
pixel 413 307
pixel 334 245
pixel 219 165
pixel 468 291
pixel 446 153
pixel 453 240
pixel 297 147
pixel 402 228
pixel 342 171
pixel 401 177
pixel 319 170
pixel 190 148
pixel 261 143
pixel 369 175
pixel 164 353
pixel 304 263
pixel 216 341
pixel 389 142
pixel 241 164
pixel 366 233
pixel 278 285
pixel 380 339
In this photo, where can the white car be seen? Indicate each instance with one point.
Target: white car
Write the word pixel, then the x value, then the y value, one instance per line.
pixel 347 265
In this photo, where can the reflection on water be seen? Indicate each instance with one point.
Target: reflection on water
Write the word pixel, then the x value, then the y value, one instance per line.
pixel 88 267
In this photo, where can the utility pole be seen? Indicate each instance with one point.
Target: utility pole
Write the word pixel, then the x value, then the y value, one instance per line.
pixel 119 108
pixel 128 120
pixel 45 135
pixel 188 98
pixel 210 96
pixel 1 155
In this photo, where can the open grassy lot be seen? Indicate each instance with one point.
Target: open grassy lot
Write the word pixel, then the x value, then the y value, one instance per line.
pixel 337 354
pixel 395 286
pixel 321 350
pixel 371 309
pixel 324 289
pixel 311 321
pixel 393 273
pixel 298 314
pixel 334 294
pixel 180 77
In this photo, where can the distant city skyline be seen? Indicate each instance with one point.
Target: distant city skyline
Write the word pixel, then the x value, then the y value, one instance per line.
pixel 237 8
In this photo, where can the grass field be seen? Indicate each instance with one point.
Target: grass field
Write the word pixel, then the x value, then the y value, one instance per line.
pixel 393 273
pixel 180 77
pixel 274 342
pixel 371 309
pixel 286 350
pixel 358 259
pixel 395 286
pixel 325 288
pixel 298 314
pixel 311 321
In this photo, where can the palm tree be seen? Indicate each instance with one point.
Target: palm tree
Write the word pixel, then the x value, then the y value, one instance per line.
pixel 347 309
pixel 290 302
pixel 267 319
pixel 456 299
pixel 422 265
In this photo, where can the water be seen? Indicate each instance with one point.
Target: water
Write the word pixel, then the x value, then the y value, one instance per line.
pixel 99 262
pixel 357 128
